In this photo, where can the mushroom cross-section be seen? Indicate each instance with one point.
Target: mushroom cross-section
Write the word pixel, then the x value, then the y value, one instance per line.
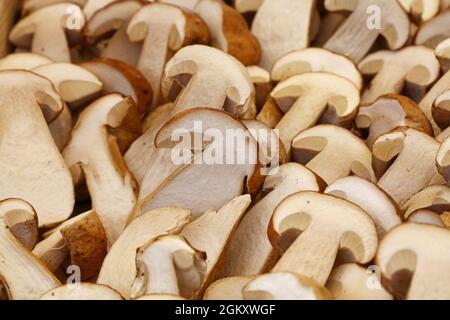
pixel 441 110
pixel 92 6
pixel 332 153
pixel 32 168
pixel 377 204
pixel 311 228
pixel 282 26
pixel 443 53
pixel 94 152
pixel 315 60
pixel 415 68
pixel 431 33
pixel 191 80
pixel 389 112
pixel 359 32
pixel 82 291
pixel 421 9
pixel 250 250
pixel 44 30
pixel 311 97
pixel 247 5
pixel 164 29
pixel 22 274
pixel 29 6
pixel 414 262
pixel 23 61
pixel 405 160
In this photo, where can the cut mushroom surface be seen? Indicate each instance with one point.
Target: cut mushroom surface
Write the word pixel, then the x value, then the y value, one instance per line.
pixel 23 61
pixel 82 291
pixel 441 110
pixel 434 31
pixel 227 289
pixel 421 9
pixel 332 153
pixel 413 258
pixel 311 229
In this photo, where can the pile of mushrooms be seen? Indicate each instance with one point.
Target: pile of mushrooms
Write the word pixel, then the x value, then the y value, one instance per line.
pixel 338 187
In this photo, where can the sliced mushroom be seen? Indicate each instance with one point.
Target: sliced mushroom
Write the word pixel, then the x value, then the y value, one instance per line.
pixel 282 26
pixel 415 68
pixel 441 110
pixel 24 227
pixel 175 29
pixel 330 23
pixel 94 152
pixel 315 96
pixel 316 60
pixel 332 153
pixel 413 262
pixel 409 157
pixel 375 202
pixel 121 258
pixel 353 282
pixel 389 112
pixel 434 31
pixel 93 6
pixel 263 86
pixel 23 61
pixel 193 176
pixel 421 10
pixel 284 286
pixel 22 274
pixel 191 80
pixel 250 250
pixel 212 233
pixel 270 113
pixel 311 228
pixel 44 30
pixel 443 53
pixel 169 265
pixel 82 291
pixel 244 6
pixel 229 31
pixel 28 153
pixel 33 5
pixel 429 217
pixel 114 18
pixel 227 289
pixel 356 36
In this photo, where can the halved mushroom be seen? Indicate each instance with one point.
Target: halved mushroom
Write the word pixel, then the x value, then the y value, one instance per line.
pixel 413 259
pixel 23 61
pixel 441 110
pixel 250 250
pixel 270 113
pixel 212 234
pixel 93 6
pixel 431 204
pixel 353 282
pixel 310 97
pixel 412 69
pixel 405 161
pixel 332 153
pixel 83 238
pixel 118 77
pixel 169 265
pixel 434 31
pixel 359 32
pixel 389 112
pixel 282 26
pixel 44 30
pixel 33 5
pixel 93 152
pixel 374 201
pixel 443 53
pixel 421 10
pixel 113 19
pixel 22 274
pixel 32 167
pixel 82 291
pixel 263 86
pixel 284 286
pixel 164 29
pixel 121 258
pixel 192 175
pixel 244 6
pixel 191 80
pixel 316 60
pixel 227 289
pixel 229 31
pixel 313 229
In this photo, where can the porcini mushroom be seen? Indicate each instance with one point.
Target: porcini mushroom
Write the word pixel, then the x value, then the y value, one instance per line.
pixel 82 291
pixel 250 250
pixel 413 258
pixel 431 33
pixel 332 153
pixel 44 30
pixel 405 158
pixel 32 167
pixel 175 29
pixel 121 258
pixel 414 67
pixel 311 228
pixel 229 31
pixel 359 32
pixel 94 152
